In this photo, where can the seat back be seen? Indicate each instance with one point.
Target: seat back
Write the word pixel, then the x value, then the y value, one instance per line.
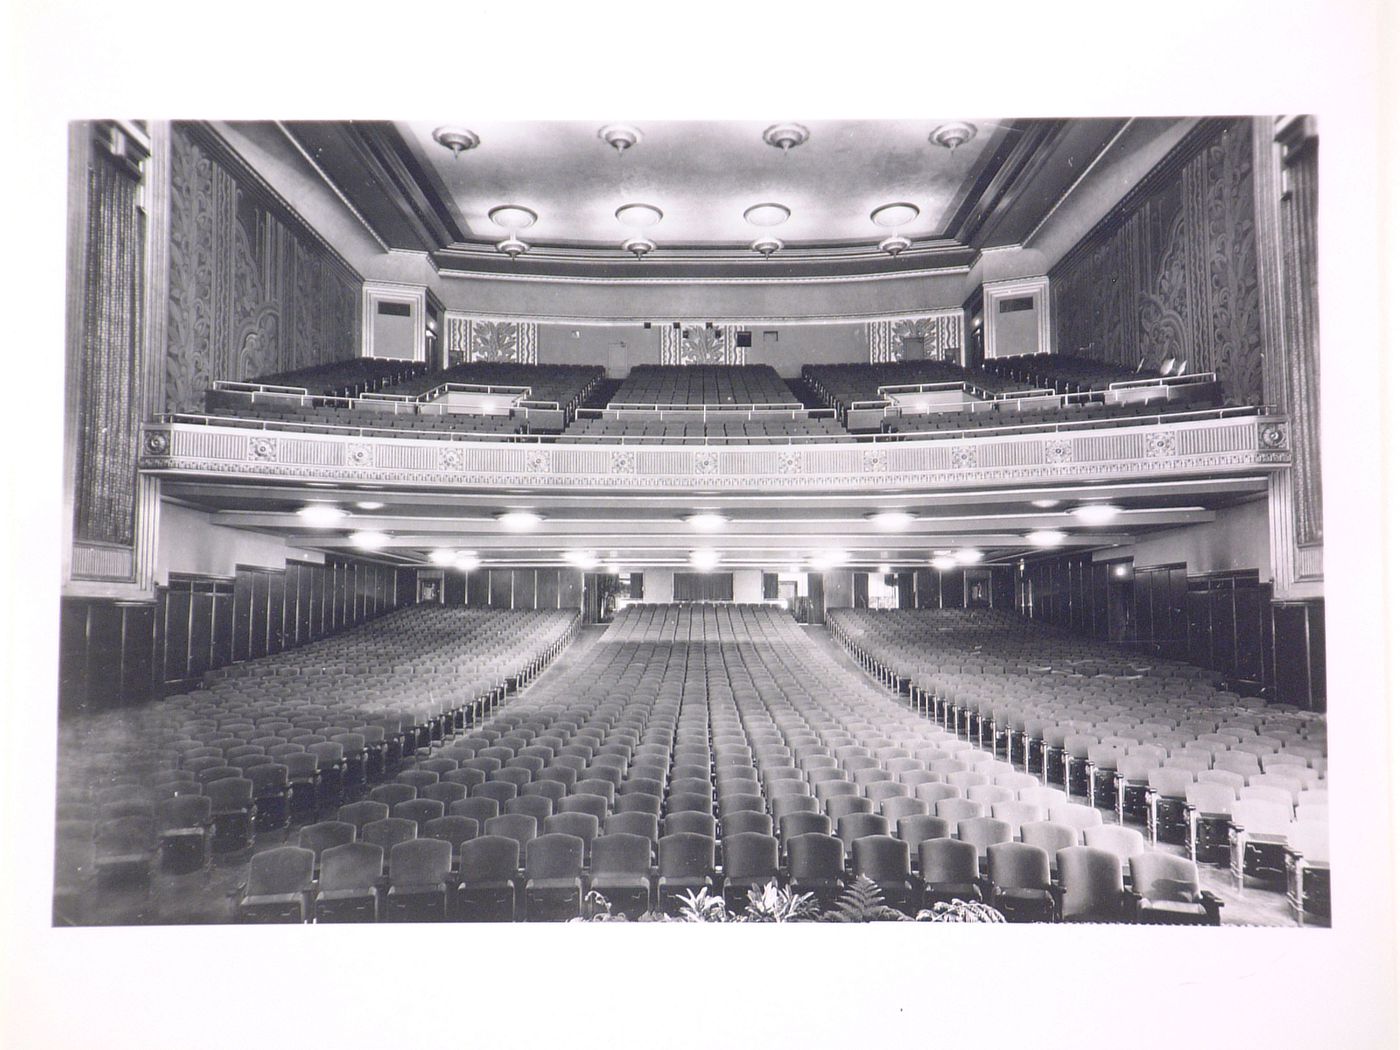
pixel 420 862
pixel 389 832
pixel 947 860
pixel 1018 865
pixel 452 830
pixel 619 853
pixel 328 833
pixel 749 855
pixel 686 854
pixel 1093 883
pixel 489 858
pixel 284 869
pixel 553 856
pixel 881 858
pixel 353 866
pixel 1159 876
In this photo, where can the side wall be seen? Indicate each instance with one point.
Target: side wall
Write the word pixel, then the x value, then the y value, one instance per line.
pixel 1173 272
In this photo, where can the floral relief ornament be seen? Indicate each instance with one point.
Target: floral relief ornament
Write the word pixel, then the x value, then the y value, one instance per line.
pixel 263 449
pixel 1060 450
pixel 623 463
pixel 790 461
pixel 874 460
pixel 707 462
pixel 1160 444
pixel 963 458
pixel 157 443
pixel 536 462
pixel 359 456
pixel 451 459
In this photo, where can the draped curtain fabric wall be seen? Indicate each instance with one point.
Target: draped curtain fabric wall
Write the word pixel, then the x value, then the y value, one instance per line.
pixel 252 291
pixel 703 587
pixel 108 384
pixel 1175 274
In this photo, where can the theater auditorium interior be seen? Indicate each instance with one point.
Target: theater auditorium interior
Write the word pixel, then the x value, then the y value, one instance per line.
pixel 480 528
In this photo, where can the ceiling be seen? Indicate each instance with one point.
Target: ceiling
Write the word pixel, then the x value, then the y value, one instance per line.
pixel 416 195
pixel 770 531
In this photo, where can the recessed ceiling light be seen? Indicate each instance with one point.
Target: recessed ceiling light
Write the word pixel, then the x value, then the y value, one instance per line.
pixel 467 562
pixel 786 136
pixel 705 560
pixel 512 217
pixel 892 520
pixel 953 134
pixel 1045 504
pixel 620 137
pixel 943 562
pixel 369 504
pixel 767 214
pixel 458 140
pixel 369 540
pixel 519 520
pixel 1046 537
pixel 892 215
pixel 638 216
pixel 1096 513
pixel 321 514
pixel 707 521
pixel 829 559
pixel 892 246
pixel 513 247
pixel 967 556
pixel 1121 570
pixel 581 559
pixel 442 556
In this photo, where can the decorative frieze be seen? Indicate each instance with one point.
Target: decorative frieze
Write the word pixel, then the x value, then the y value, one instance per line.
pixel 1236 444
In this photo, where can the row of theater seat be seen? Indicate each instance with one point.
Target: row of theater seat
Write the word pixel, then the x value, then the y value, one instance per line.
pixel 843 384
pixel 755 431
pixel 347 378
pixel 566 385
pixel 1237 782
pixel 282 738
pixel 1063 373
pixel 703 385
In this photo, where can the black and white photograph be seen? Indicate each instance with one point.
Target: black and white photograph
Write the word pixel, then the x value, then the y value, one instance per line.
pixel 480 515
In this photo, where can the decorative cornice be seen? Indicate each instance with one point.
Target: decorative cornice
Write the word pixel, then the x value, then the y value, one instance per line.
pixel 1234 444
pixel 851 278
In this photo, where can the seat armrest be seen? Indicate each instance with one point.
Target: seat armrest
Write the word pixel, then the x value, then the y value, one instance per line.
pixel 1212 905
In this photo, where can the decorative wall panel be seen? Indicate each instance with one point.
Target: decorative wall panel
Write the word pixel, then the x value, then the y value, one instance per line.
pixel 252 292
pixel 1175 276
pixel 936 336
pixel 694 344
pixel 476 339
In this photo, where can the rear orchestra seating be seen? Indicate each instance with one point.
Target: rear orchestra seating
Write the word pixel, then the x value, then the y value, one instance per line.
pixel 694 746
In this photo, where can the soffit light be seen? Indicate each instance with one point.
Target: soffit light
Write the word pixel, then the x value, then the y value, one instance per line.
pixel 786 136
pixel 512 246
pixel 639 246
pixel 614 569
pixel 1045 504
pixel 512 217
pixel 896 244
pixel 884 570
pixel 766 246
pixel 1096 513
pixel 953 134
pixel 892 215
pixel 321 514
pixel 892 520
pixel 620 137
pixel 581 559
pixel 638 216
pixel 519 520
pixel 822 560
pixel 369 540
pixel 467 562
pixel 458 140
pixel 707 521
pixel 705 559
pixel 369 504
pixel 967 556
pixel 795 569
pixel 1046 537
pixel 442 556
pixel 767 214
pixel 943 562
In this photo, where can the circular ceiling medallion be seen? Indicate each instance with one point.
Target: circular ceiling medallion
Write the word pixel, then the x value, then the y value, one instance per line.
pixel 953 134
pixel 766 246
pixel 638 216
pixel 768 214
pixel 897 214
pixel 620 137
pixel 457 140
pixel 786 136
pixel 513 246
pixel 639 246
pixel 512 217
pixel 896 244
